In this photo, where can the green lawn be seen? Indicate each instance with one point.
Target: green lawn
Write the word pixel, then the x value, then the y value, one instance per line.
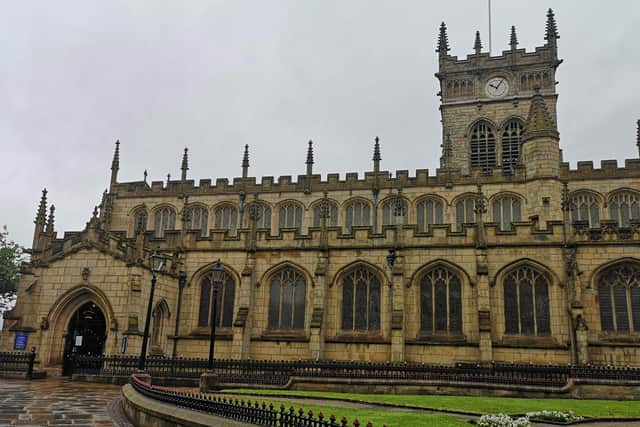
pixel 475 405
pixel 379 417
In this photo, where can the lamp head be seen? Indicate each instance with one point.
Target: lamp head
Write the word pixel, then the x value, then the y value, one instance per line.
pixel 182 279
pixel 217 273
pixel 391 258
pixel 156 261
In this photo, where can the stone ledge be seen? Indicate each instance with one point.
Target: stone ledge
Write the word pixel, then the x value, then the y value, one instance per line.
pixel 143 411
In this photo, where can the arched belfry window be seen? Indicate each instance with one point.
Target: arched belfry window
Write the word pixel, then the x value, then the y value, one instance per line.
pixel 290 215
pixel 429 212
pixel 506 210
pixel 226 218
pixel 585 207
pixel 619 297
pixel 357 213
pixel 140 221
pixel 198 219
pixel 287 300
pixel 483 147
pixel 361 300
pixel 225 301
pixel 165 219
pixel 465 211
pixel 332 220
pixel 624 207
pixel 440 302
pixel 526 302
pixel 511 145
pixel 391 208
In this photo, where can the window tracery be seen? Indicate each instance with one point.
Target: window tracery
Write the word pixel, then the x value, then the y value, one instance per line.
pixel 526 302
pixel 619 298
pixel 624 207
pixel 440 302
pixel 357 213
pixel 483 147
pixel 165 219
pixel 429 212
pixel 361 301
pixel 226 218
pixel 506 210
pixel 511 146
pixel 287 300
pixel 290 215
pixel 198 219
pixel 224 304
pixel 585 207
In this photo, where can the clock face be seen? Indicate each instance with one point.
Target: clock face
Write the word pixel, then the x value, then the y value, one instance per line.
pixel 497 87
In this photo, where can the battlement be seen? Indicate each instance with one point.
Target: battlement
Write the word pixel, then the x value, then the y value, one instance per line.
pixel 609 169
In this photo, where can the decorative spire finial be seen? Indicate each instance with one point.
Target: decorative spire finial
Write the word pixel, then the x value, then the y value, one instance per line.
pixel 51 220
pixel 477 45
pixel 185 164
pixel 309 161
pixel 115 163
pixel 638 137
pixel 513 42
pixel 552 29
pixel 376 155
pixel 145 176
pixel 245 162
pixel 443 40
pixel 42 209
pixel 539 122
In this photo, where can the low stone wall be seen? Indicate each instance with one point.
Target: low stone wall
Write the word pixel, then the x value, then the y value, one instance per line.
pixel 144 412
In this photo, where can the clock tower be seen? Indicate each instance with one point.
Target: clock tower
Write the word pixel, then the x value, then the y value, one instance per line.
pixel 485 102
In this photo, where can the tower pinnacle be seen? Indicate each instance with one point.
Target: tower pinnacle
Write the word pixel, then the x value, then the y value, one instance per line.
pixel 443 40
pixel 552 29
pixel 477 45
pixel 51 220
pixel 513 42
pixel 115 164
pixel 42 209
pixel 245 162
pixel 638 137
pixel 185 164
pixel 376 155
pixel 309 161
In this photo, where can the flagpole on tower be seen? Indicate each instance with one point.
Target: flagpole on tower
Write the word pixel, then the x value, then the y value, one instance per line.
pixel 489 27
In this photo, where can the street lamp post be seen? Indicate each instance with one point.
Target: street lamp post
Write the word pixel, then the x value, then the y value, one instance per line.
pixel 156 262
pixel 208 380
pixel 182 282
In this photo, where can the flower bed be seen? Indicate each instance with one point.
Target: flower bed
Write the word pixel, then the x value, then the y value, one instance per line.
pixel 502 420
pixel 555 416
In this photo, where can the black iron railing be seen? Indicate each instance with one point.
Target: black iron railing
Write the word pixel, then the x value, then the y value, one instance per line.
pixel 257 413
pixel 279 373
pixel 17 363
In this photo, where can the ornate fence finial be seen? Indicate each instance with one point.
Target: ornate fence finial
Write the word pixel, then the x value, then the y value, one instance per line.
pixel 477 45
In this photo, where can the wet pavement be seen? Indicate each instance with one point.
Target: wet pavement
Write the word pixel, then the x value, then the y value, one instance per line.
pixel 60 402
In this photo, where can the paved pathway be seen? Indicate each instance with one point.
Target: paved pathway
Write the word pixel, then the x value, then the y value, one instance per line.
pixel 60 402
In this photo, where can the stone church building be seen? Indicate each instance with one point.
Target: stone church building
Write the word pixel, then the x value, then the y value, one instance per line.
pixel 504 254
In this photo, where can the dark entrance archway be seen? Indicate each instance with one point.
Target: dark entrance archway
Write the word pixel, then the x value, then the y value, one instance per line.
pixel 86 334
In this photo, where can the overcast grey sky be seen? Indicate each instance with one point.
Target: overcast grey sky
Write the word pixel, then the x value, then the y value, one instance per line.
pixel 215 75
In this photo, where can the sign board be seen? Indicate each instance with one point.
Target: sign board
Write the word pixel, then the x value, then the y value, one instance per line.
pixel 79 341
pixel 20 341
pixel 123 345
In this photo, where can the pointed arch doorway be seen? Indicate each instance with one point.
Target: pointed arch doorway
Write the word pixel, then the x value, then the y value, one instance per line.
pixel 86 334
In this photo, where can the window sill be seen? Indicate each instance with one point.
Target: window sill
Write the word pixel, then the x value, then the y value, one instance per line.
pixel 221 333
pixel 530 341
pixel 291 336
pixel 623 338
pixel 440 338
pixel 359 338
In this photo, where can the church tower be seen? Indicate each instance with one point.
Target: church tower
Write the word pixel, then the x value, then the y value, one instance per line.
pixel 485 102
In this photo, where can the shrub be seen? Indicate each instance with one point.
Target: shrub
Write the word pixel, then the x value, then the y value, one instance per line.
pixel 555 416
pixel 502 420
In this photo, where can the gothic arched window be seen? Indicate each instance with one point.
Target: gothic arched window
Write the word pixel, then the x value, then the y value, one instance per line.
pixel 261 212
pixel 165 219
pixel 429 211
pixel 624 207
pixel 287 296
pixel 585 207
pixel 483 147
pixel 526 302
pixel 198 219
pixel 226 218
pixel 464 212
pixel 224 304
pixel 506 209
pixel 619 296
pixel 511 144
pixel 440 302
pixel 332 220
pixel 357 213
pixel 140 221
pixel 361 301
pixel 390 209
pixel 290 215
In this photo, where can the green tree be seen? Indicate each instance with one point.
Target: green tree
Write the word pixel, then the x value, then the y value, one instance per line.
pixel 11 255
